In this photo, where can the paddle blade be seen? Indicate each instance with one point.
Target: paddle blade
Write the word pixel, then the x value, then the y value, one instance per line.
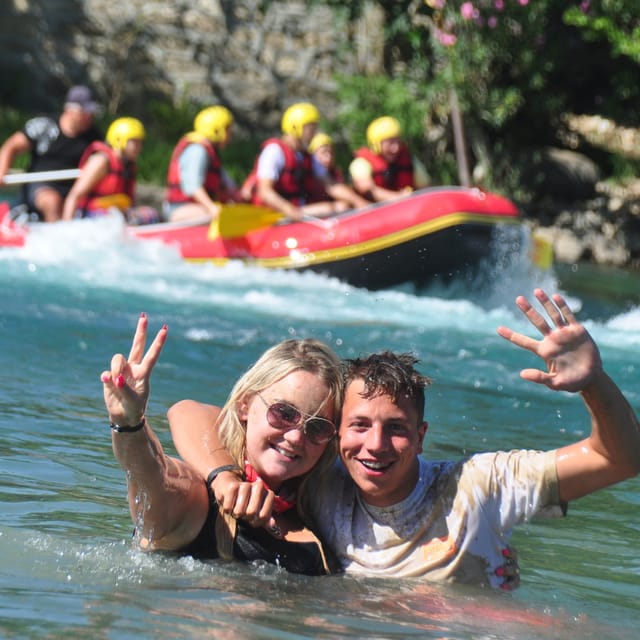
pixel 118 200
pixel 236 220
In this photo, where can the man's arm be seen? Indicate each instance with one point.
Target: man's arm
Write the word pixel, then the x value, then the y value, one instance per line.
pixel 93 171
pixel 269 167
pixel 612 451
pixel 210 207
pixel 14 145
pixel 194 163
pixel 343 192
pixel 271 198
pixel 195 436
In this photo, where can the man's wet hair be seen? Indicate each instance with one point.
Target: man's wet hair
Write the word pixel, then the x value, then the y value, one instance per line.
pixel 388 373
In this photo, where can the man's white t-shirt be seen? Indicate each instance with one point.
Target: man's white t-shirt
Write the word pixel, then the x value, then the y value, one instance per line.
pixel 453 526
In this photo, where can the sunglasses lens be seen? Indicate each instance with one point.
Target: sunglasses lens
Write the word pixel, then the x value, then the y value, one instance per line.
pixel 319 430
pixel 283 416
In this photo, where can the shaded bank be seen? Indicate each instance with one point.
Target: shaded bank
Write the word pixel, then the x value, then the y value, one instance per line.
pixel 603 230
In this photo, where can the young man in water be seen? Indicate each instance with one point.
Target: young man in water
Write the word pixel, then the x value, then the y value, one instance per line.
pixel 386 511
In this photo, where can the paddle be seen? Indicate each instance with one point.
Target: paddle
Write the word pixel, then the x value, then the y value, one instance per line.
pixel 541 251
pixel 236 220
pixel 41 176
pixel 118 200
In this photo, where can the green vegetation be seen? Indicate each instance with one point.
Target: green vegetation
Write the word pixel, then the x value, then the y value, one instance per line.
pixel 517 68
pixel 12 120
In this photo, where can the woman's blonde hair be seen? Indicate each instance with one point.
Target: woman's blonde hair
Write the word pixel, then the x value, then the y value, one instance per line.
pixel 275 363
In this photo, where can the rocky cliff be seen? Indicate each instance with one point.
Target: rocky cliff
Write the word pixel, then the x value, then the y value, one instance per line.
pixel 255 57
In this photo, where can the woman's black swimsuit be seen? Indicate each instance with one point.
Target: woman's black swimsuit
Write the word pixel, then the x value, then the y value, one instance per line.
pixel 257 544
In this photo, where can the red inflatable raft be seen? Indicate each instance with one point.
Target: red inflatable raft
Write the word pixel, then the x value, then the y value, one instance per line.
pixel 435 233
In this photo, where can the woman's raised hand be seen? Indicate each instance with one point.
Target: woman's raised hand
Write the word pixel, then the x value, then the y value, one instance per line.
pixel 126 384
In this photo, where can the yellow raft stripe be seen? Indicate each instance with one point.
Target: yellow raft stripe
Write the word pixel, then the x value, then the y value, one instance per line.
pixel 298 260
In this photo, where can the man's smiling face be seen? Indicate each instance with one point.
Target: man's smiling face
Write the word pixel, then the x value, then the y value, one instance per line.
pixel 379 444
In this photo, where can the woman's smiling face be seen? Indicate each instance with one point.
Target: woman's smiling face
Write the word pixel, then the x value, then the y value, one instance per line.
pixel 278 455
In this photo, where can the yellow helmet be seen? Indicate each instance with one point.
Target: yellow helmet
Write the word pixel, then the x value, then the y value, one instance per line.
pixel 319 140
pixel 122 130
pixel 296 116
pixel 382 129
pixel 213 122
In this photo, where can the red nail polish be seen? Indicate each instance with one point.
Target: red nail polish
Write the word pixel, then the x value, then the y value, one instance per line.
pixel 105 377
pixel 143 315
pixel 165 327
pixel 499 571
pixel 120 381
pixel 506 552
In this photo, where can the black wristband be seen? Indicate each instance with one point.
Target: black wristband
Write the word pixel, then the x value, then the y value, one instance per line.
pixel 225 467
pixel 127 429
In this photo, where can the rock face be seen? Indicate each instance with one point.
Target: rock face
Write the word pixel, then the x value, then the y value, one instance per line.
pixel 255 57
pixel 585 218
pixel 603 230
pixel 562 174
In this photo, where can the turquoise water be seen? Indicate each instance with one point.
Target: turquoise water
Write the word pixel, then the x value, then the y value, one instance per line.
pixel 71 298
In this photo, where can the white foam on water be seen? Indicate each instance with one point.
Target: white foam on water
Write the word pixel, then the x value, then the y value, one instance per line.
pixel 96 256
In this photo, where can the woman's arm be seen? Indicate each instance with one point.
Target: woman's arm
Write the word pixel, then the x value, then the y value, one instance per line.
pixel 167 499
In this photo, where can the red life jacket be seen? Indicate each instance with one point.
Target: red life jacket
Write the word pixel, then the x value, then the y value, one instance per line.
pixel 212 181
pixel 296 181
pixel 394 175
pixel 120 178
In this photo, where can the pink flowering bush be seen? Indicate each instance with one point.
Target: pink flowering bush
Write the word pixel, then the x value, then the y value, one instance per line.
pixel 516 66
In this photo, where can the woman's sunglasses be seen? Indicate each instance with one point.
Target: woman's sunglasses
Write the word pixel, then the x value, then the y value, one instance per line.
pixel 285 417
